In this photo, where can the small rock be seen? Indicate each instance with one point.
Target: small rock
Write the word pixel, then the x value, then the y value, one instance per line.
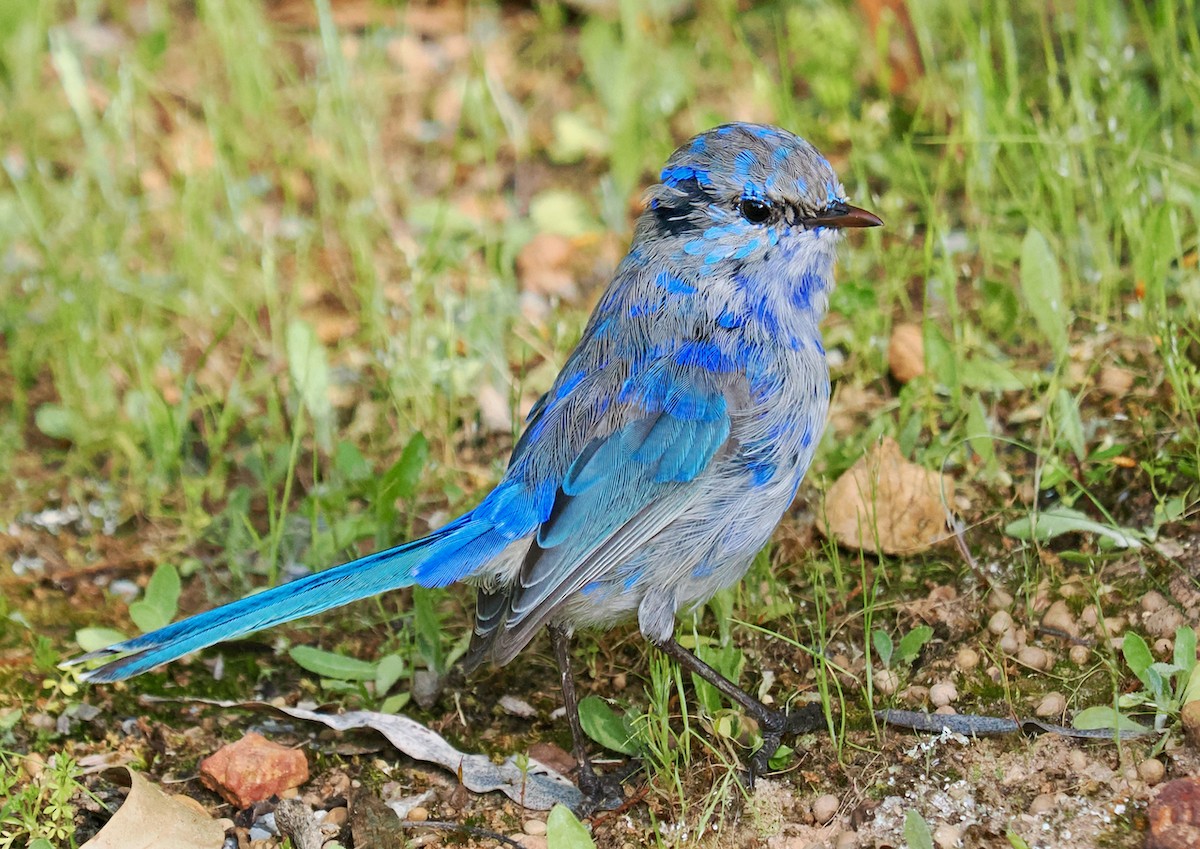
pixel 825 808
pixel 516 706
pixel 1058 617
pixel 1162 623
pixel 1114 624
pixel 1151 771
pixel 947 836
pixel 1175 815
pixel 1153 600
pixel 846 840
pixel 1164 647
pixel 531 841
pixel 534 827
pixel 966 659
pixel 253 769
pixel 418 814
pixel 1088 617
pixel 945 710
pixel 1080 654
pixel 998 599
pixel 1052 704
pixel 1043 803
pixel 943 693
pixel 887 681
pixel 1189 715
pixel 1000 623
pixel 1009 643
pixel 1115 381
pixel 1035 658
pixel 336 816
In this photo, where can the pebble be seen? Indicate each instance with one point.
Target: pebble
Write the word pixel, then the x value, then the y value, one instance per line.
pixel 1077 760
pixel 1009 644
pixel 534 827
pixel 1080 654
pixel 337 816
pixel 1164 647
pixel 966 659
pixel 1114 624
pixel 886 681
pixel 1089 616
pixel 1151 771
pixel 1052 704
pixel 947 836
pixel 999 599
pixel 943 693
pixel 1001 622
pixel 418 814
pixel 1060 618
pixel 1162 623
pixel 1043 803
pixel 1153 600
pixel 945 710
pixel 846 840
pixel 1035 658
pixel 825 808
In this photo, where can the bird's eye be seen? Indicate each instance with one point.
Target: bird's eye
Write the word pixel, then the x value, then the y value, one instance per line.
pixel 754 210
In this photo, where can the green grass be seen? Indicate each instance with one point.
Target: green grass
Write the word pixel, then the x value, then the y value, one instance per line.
pixel 257 278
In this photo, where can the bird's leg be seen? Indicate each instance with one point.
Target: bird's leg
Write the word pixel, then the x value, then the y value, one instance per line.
pixel 773 723
pixel 599 792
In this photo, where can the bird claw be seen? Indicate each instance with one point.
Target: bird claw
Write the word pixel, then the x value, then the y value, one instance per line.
pixel 775 725
pixel 603 792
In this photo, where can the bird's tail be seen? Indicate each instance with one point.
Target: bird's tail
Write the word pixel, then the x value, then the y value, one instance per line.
pixel 446 555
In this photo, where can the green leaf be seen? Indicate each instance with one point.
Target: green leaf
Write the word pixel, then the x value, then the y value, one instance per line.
pixel 1138 656
pixel 1015 840
pixel 330 665
pixel 1070 425
pixel 56 421
pixel 940 358
pixel 1059 520
pixel 400 481
pixel 350 463
pixel 911 643
pixel 602 724
pixel 388 671
pixel 94 639
pixel 1191 690
pixel 428 627
pixel 782 757
pixel 564 831
pixel 1185 650
pixel 160 603
pixel 979 435
pixel 727 660
pixel 1041 284
pixel 309 370
pixel 882 641
pixel 396 703
pixel 562 212
pixel 916 831
pixel 1104 716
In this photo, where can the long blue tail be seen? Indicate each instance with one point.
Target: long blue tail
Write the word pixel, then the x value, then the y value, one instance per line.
pixel 438 559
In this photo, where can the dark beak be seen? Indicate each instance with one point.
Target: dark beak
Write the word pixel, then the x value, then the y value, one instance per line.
pixel 839 215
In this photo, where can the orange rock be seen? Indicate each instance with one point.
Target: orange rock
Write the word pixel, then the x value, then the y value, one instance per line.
pixel 1175 815
pixel 253 769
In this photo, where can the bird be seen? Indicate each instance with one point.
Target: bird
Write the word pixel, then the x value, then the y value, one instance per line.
pixel 662 457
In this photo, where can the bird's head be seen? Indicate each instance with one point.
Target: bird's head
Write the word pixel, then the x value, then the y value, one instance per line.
pixel 751 196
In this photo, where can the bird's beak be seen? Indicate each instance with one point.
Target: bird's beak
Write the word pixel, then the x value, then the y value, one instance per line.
pixel 839 215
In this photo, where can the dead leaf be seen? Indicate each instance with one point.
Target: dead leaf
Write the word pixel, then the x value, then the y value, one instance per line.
pixel 885 503
pixel 150 818
pixel 906 353
pixel 543 266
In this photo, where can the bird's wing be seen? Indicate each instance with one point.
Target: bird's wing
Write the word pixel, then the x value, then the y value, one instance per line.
pixel 620 489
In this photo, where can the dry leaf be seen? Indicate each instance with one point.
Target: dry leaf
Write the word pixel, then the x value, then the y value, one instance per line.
pixel 150 818
pixel 906 353
pixel 885 503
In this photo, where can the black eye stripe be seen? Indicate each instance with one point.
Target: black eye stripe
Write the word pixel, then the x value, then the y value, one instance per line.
pixel 754 210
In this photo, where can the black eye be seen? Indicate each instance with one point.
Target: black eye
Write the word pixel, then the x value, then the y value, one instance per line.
pixel 754 210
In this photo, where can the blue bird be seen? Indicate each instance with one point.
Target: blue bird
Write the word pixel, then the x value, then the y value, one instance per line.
pixel 663 456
